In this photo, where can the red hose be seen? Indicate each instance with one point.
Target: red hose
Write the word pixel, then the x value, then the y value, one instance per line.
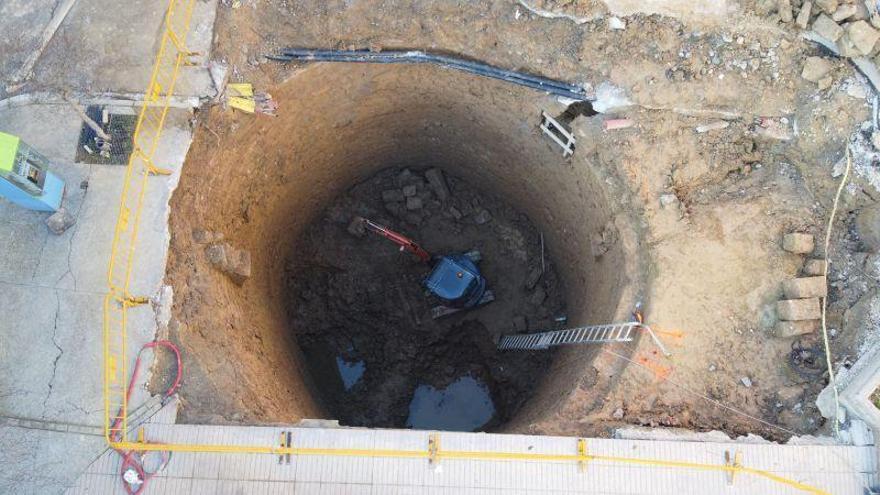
pixel 129 459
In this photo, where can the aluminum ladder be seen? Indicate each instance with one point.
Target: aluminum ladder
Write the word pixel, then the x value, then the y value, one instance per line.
pixel 596 334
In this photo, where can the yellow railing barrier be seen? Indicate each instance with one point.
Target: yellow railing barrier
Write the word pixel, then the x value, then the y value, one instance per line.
pixel 171 56
pixel 145 141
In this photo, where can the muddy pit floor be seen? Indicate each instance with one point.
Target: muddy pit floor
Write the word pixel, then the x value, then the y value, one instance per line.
pixel 357 299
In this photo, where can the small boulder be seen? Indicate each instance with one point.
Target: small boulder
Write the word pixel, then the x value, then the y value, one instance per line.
pixel 784 9
pixel 844 12
pixel 414 203
pixel 803 18
pixel 785 329
pixel 862 36
pixel 868 227
pixel 799 309
pixel 828 6
pixel 60 221
pixel 537 298
pixel 356 227
pixel 815 267
pixel 235 263
pixel 825 27
pixel 409 190
pixel 482 217
pixel 816 68
pixel 392 195
pixel 798 243
pixel 437 183
pixel 805 287
pixel 455 213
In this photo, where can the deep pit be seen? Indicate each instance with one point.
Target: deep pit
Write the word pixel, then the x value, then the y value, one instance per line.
pixel 258 351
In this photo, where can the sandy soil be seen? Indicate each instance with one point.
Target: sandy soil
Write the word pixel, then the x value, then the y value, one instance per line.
pixel 714 205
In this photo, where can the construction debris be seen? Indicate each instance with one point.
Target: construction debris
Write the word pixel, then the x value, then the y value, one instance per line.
pixel 241 96
pixel 799 309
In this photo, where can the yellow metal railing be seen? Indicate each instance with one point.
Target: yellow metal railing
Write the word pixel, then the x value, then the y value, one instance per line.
pixel 171 56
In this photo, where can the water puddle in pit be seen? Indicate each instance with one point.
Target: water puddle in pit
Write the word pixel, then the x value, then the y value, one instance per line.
pixel 464 405
pixel 350 371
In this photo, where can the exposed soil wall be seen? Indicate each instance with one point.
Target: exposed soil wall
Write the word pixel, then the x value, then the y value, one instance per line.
pixel 259 182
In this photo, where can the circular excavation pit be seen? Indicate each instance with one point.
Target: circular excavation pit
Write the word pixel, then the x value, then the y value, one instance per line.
pixel 334 322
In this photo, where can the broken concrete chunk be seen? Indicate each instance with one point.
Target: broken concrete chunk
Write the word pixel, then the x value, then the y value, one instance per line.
pixel 482 217
pixel 437 183
pixel 825 27
pixel 392 195
pixel 844 12
pixel 862 36
pixel 828 6
pixel 235 263
pixel 868 227
pixel 784 9
pixel 785 329
pixel 799 309
pixel 815 267
pixel 803 18
pixel 798 243
pixel 520 324
pixel 60 221
pixel 816 68
pixel 414 203
pixel 804 287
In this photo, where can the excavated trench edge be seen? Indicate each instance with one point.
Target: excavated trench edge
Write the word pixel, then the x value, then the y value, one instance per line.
pixel 338 125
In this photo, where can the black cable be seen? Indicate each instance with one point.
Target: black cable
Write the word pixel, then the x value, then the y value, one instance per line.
pixel 540 83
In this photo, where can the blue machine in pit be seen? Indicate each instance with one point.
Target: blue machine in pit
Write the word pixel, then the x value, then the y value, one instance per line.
pixel 454 278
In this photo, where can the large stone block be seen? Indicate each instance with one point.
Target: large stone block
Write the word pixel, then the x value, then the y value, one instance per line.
pixel 805 287
pixel 799 309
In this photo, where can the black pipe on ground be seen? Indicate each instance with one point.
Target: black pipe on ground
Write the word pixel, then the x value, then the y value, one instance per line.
pixel 552 86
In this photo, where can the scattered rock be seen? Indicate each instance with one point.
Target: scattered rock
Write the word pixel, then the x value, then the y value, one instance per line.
pixel 712 367
pixel 784 9
pixel 534 277
pixel 201 236
pixel 868 227
pixel 520 324
pixel 482 217
pixel 798 243
pixel 872 266
pixel 844 12
pixel 356 227
pixel 825 27
pixel 798 309
pixel 616 24
pixel 814 267
pixel 413 218
pixel 803 18
pixel 828 6
pixel 601 242
pixel 712 126
pixel 667 200
pixel 392 195
pixel 395 209
pixel 414 203
pixel 538 297
pixel 618 413
pixel 437 183
pixel 410 190
pixel 785 329
pixel 816 68
pixel 805 287
pixel 746 381
pixel 236 263
pixel 862 36
pixel 455 213
pixel 60 221
pixel 825 83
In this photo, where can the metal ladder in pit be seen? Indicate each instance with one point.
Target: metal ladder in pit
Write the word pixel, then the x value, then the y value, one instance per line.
pixel 596 334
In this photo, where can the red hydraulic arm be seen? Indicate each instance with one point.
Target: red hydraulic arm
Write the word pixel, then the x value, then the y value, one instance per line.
pixel 405 243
